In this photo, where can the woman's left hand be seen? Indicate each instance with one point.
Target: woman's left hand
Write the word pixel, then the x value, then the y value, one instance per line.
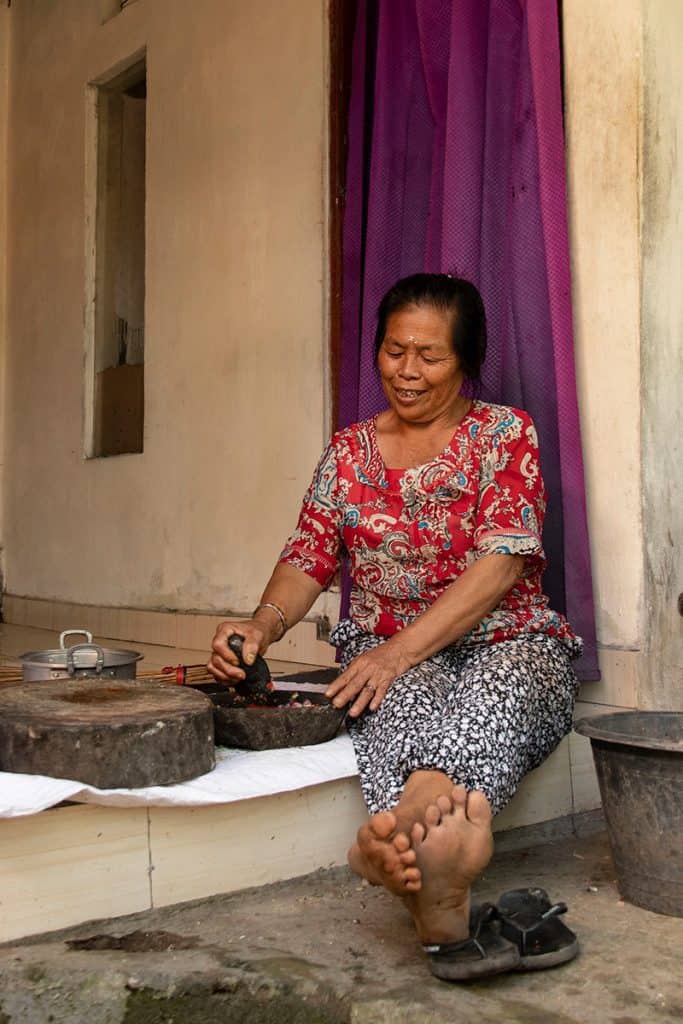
pixel 368 678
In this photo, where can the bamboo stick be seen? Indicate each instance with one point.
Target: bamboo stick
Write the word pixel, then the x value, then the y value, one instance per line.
pixel 177 674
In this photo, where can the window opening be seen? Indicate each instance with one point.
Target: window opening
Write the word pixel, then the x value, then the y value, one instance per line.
pixel 119 293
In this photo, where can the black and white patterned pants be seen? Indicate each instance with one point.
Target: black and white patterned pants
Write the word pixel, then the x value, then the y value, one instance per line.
pixel 484 714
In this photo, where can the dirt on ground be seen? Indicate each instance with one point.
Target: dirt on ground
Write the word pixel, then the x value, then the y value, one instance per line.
pixel 326 949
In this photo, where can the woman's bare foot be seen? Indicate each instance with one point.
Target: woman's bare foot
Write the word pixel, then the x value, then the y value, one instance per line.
pixel 383 851
pixel 452 848
pixel 384 856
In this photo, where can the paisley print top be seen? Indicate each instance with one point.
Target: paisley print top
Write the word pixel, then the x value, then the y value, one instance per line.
pixel 409 533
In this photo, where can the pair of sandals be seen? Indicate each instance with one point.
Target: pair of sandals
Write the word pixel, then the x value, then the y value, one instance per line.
pixel 522 932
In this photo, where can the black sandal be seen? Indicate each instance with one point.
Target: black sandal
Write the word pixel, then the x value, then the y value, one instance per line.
pixel 531 922
pixel 481 955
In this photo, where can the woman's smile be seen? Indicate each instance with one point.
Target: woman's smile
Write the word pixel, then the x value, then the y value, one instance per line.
pixel 407 395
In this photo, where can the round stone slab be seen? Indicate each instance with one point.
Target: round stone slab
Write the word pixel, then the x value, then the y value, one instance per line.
pixel 108 733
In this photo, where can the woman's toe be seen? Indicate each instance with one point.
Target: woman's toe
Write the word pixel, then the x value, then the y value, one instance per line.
pixel 432 816
pixel 459 796
pixel 479 809
pixel 401 842
pixel 417 834
pixel 444 804
pixel 381 825
pixel 408 857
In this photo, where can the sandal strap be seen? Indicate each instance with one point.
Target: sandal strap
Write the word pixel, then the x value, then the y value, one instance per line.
pixel 555 911
pixel 449 948
pixel 481 916
pixel 526 934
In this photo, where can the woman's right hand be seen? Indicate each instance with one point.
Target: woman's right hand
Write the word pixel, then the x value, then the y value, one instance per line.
pixel 224 663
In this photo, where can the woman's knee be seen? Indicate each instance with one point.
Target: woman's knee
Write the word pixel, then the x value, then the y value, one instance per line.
pixel 522 671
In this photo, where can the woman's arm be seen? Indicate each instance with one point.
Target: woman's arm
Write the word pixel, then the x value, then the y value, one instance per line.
pixel 294 593
pixel 463 605
pixel 475 593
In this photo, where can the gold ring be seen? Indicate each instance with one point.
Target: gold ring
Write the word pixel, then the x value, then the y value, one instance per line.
pixel 371 687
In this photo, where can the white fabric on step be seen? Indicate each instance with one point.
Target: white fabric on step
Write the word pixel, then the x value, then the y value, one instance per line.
pixel 238 775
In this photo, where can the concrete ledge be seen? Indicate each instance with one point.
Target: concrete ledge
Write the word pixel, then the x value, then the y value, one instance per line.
pixel 77 862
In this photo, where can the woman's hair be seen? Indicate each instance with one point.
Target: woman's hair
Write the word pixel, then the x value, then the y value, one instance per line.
pixel 448 294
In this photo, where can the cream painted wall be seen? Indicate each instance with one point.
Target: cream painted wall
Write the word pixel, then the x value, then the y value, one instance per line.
pixel 602 63
pixel 603 95
pixel 624 94
pixel 234 301
pixel 4 111
pixel 662 341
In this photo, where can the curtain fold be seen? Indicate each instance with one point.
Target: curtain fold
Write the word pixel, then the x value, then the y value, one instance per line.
pixel 456 164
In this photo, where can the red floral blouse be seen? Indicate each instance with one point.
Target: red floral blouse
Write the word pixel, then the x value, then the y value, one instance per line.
pixel 409 533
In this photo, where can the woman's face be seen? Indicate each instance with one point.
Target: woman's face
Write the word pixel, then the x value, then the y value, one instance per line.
pixel 420 372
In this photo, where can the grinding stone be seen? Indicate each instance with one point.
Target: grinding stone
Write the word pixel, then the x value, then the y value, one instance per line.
pixel 111 734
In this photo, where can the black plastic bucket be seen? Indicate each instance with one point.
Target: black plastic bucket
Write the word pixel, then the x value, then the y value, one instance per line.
pixel 639 762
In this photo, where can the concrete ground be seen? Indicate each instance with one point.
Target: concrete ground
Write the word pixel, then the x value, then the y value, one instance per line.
pixel 324 949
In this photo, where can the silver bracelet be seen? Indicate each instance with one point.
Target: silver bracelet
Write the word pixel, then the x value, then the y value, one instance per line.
pixel 280 614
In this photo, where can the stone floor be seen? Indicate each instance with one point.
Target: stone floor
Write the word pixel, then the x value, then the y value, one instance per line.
pixel 325 948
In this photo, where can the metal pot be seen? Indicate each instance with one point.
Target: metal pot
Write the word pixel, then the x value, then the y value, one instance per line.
pixel 86 659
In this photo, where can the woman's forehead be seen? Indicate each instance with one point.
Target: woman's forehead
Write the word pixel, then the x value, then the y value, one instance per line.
pixel 416 341
pixel 421 326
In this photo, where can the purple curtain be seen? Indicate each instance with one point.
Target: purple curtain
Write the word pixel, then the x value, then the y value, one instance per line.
pixel 456 164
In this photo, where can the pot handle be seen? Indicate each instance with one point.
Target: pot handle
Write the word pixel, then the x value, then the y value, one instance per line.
pixel 74 632
pixel 99 664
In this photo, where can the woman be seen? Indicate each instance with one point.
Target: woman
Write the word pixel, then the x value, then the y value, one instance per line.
pixel 456 673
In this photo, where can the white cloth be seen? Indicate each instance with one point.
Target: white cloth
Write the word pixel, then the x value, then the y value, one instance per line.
pixel 238 775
